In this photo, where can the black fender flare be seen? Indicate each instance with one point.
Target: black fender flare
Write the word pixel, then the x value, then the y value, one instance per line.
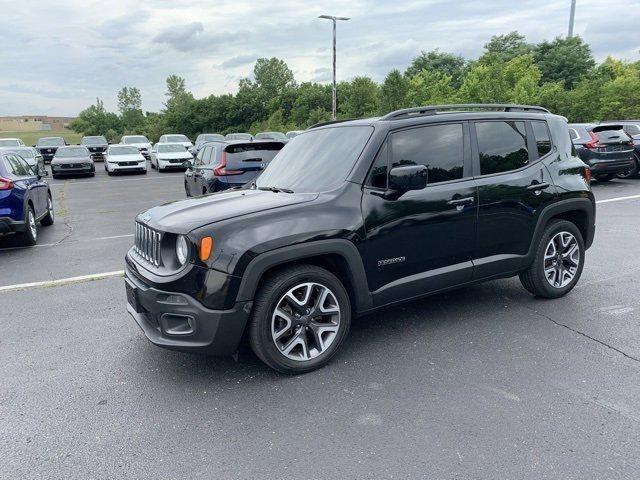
pixel 583 204
pixel 294 253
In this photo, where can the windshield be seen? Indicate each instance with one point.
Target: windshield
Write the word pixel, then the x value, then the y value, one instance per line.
pixel 124 151
pixel 317 160
pixel 170 147
pixel 211 137
pixel 9 142
pixel 239 136
pixel 272 135
pixel 135 139
pixel 176 138
pixel 93 141
pixel 51 142
pixel 72 152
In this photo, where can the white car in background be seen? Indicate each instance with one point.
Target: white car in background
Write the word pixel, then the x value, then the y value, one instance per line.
pixel 181 139
pixel 165 156
pixel 11 142
pixel 140 141
pixel 124 158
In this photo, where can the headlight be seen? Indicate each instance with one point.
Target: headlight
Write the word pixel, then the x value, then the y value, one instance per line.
pixel 182 249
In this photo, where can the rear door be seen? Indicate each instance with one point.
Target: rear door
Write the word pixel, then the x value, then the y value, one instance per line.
pixel 245 161
pixel 513 187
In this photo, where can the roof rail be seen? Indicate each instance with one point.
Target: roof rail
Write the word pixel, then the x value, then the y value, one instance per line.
pixel 330 122
pixel 434 109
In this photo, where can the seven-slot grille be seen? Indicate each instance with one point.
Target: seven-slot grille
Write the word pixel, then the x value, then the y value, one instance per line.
pixel 147 244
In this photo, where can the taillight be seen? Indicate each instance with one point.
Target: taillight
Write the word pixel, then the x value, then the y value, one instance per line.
pixel 6 184
pixel 587 175
pixel 593 143
pixel 221 169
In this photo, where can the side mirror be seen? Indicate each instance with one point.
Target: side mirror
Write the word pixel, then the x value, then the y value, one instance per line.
pixel 402 179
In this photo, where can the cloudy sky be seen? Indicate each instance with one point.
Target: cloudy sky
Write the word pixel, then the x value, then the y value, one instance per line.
pixel 58 56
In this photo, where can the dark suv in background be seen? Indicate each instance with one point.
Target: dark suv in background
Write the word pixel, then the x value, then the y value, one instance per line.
pixel 97 146
pixel 48 146
pixel 222 165
pixel 358 215
pixel 631 128
pixel 606 148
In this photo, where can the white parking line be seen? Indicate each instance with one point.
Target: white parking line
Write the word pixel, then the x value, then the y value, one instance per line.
pixel 62 281
pixel 618 199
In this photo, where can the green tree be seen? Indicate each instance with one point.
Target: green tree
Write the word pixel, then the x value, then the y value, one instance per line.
pixel 130 107
pixel 506 47
pixel 358 98
pixel 564 59
pixel 310 99
pixel 95 120
pixel 430 88
pixel 436 61
pixel 393 92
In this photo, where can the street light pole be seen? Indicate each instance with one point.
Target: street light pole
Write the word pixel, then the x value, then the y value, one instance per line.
pixel 334 100
pixel 572 17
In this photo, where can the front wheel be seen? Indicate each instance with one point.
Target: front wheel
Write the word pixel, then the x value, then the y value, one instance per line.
pixel 48 219
pixel 300 317
pixel 558 261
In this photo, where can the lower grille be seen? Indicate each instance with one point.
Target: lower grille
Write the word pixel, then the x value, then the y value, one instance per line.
pixel 147 244
pixel 127 164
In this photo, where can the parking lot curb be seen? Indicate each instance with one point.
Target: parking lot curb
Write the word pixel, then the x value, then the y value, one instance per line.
pixel 62 281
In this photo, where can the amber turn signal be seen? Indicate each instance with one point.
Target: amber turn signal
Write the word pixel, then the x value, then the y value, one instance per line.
pixel 206 247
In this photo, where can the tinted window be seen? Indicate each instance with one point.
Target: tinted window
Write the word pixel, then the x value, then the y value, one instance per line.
pixel 632 129
pixel 318 160
pixel 207 158
pixel 198 159
pixel 378 176
pixel 502 146
pixel 439 147
pixel 573 134
pixel 20 169
pixel 543 139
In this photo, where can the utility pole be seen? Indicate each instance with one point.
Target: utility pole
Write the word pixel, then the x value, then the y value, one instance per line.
pixel 572 18
pixel 334 21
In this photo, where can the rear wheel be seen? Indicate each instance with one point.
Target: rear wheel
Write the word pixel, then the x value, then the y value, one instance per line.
pixel 49 217
pixel 633 173
pixel 300 317
pixel 558 261
pixel 604 178
pixel 30 235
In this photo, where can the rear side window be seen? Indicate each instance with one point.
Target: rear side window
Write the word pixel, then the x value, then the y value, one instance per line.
pixel 439 147
pixel 543 139
pixel 502 146
pixel 573 134
pixel 17 167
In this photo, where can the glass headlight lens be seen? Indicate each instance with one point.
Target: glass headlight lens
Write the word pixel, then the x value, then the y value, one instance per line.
pixel 182 249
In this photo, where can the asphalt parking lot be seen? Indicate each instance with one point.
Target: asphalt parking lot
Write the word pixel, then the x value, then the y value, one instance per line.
pixel 483 382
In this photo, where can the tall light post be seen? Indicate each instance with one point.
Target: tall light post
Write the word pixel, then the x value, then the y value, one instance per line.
pixel 572 17
pixel 334 19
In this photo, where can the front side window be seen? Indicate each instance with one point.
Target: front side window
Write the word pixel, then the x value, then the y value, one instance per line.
pixel 502 146
pixel 379 171
pixel 543 139
pixel 439 147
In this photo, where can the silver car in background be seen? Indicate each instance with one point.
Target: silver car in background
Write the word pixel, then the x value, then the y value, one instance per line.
pixel 181 139
pixel 140 141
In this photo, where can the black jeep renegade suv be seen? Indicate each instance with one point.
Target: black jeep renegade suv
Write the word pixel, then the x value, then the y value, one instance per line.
pixel 357 215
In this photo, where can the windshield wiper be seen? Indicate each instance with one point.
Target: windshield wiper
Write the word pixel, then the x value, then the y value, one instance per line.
pixel 276 189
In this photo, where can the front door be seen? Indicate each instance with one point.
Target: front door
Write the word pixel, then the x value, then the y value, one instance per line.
pixel 424 240
pixel 513 186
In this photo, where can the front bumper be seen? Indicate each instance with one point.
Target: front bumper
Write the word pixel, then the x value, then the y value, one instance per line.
pixel 128 166
pixel 177 321
pixel 72 170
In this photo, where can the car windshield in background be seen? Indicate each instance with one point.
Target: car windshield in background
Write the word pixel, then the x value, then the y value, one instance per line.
pixel 171 148
pixel 25 152
pixel 239 136
pixel 138 139
pixel 9 143
pixel 271 136
pixel 123 151
pixel 93 141
pixel 211 138
pixel 316 161
pixel 51 142
pixel 72 152
pixel 177 138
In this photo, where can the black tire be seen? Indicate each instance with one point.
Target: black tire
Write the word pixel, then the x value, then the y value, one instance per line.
pixel 633 173
pixel 204 191
pixel 49 218
pixel 266 300
pixel 604 178
pixel 534 279
pixel 29 237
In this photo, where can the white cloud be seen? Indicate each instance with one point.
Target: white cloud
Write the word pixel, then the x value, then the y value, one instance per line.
pixel 65 54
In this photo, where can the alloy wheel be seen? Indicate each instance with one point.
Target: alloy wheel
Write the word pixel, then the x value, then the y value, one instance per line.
pixel 50 207
pixel 561 259
pixel 305 321
pixel 32 224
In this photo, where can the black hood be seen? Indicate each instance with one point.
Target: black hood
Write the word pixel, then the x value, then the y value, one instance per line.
pixel 182 216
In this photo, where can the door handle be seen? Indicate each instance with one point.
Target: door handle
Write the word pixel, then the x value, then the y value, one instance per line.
pixel 535 187
pixel 456 202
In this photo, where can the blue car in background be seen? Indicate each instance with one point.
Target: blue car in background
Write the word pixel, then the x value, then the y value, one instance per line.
pixel 25 199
